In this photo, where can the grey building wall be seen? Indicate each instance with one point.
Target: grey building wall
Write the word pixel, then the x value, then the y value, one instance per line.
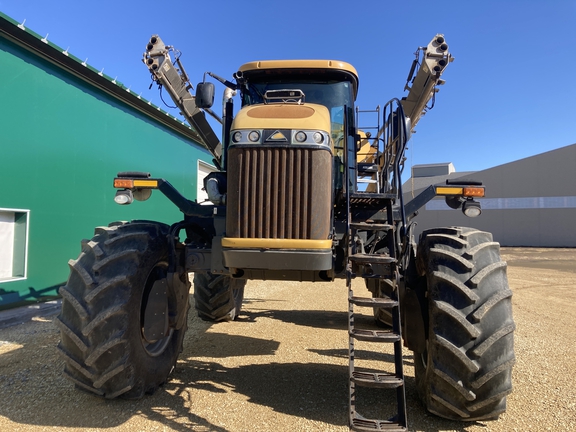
pixel 529 202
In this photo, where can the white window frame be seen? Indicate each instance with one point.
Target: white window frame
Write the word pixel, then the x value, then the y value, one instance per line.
pixel 24 275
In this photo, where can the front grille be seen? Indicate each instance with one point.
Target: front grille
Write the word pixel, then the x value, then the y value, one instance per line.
pixel 278 192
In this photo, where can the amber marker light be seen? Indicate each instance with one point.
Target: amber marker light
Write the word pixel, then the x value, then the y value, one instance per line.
pixel 473 191
pixel 467 191
pixel 123 183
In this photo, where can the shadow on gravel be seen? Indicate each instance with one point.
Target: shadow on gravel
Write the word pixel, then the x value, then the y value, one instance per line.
pixel 366 355
pixel 35 394
pixel 310 318
pixel 314 391
pixel 222 345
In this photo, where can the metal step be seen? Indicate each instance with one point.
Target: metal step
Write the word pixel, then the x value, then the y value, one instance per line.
pixel 384 303
pixel 376 379
pixel 371 226
pixel 371 259
pixel 367 335
pixel 367 167
pixel 368 198
pixel 362 424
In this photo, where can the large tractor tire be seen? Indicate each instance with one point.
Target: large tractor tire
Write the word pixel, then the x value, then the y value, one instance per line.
pixel 218 297
pixel 116 335
pixel 465 371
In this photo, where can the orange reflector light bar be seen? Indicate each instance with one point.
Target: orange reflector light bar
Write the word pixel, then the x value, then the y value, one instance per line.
pixel 474 191
pixel 460 191
pixel 122 183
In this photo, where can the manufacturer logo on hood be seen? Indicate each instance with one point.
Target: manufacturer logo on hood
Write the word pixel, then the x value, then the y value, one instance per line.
pixel 277 136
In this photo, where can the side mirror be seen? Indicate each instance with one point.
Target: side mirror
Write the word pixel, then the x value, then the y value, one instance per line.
pixel 205 95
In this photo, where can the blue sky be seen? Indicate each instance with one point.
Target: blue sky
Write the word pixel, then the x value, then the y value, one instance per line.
pixel 509 94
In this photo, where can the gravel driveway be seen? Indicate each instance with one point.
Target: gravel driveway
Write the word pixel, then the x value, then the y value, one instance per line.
pixel 283 365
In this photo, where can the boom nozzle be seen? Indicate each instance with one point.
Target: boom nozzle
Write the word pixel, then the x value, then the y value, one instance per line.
pixel 172 77
pixel 422 82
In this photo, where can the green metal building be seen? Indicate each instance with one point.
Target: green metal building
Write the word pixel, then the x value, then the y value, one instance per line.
pixel 66 131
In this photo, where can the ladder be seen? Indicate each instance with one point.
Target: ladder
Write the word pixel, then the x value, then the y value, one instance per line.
pixel 367 169
pixel 370 211
pixel 379 266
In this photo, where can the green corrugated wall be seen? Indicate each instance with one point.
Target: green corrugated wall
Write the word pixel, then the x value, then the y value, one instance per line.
pixel 61 144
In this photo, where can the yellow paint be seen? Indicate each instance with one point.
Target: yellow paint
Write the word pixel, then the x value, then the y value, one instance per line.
pixel 317 119
pixel 443 190
pixel 259 243
pixel 146 183
pixel 464 191
pixel 299 64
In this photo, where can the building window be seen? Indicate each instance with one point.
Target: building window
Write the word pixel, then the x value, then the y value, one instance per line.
pixel 13 244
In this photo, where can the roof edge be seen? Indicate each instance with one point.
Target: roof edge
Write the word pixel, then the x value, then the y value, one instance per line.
pixel 34 43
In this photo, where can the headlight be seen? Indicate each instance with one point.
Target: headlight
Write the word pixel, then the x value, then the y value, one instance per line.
pixel 313 137
pixel 254 136
pixel 243 136
pixel 318 137
pixel 300 136
pixel 471 208
pixel 124 197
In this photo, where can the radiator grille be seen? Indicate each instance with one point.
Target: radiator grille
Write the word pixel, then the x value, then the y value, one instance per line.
pixel 273 192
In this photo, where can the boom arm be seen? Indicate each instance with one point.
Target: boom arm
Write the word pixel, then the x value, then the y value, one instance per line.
pixel 176 82
pixel 422 87
pixel 422 80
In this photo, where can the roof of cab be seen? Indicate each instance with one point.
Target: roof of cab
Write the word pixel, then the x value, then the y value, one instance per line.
pixel 335 65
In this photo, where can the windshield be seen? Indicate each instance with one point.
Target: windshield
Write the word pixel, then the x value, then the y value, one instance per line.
pixel 335 94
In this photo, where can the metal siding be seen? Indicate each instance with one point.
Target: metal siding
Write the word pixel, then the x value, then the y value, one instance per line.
pixel 536 179
pixel 62 144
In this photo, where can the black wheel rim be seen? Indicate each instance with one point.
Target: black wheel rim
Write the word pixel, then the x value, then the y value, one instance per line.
pixel 155 302
pixel 424 357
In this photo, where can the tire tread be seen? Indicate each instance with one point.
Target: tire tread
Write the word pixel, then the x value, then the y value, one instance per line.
pixel 467 373
pixel 100 341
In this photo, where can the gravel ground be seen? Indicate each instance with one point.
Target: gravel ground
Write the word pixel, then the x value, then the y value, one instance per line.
pixel 283 365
